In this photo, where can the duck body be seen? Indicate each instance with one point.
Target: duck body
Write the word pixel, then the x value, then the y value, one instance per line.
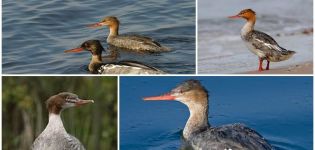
pixel 233 136
pixel 127 67
pixel 198 134
pixel 136 43
pixel 260 43
pixel 55 137
pixel 265 47
pixel 96 66
pixel 132 42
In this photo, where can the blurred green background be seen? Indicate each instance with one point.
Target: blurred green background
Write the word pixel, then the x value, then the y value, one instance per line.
pixel 25 115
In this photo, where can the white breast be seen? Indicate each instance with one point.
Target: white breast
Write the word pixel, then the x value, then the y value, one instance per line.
pixel 257 52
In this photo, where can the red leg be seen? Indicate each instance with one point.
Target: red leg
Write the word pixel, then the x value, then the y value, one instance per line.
pixel 267 68
pixel 260 65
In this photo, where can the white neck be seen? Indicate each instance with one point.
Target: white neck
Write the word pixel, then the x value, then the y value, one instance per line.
pixel 249 26
pixel 198 119
pixel 54 124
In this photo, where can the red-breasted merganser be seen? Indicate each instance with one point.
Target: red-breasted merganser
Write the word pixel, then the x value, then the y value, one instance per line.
pixel 199 134
pixel 122 67
pixel 55 136
pixel 132 42
pixel 261 44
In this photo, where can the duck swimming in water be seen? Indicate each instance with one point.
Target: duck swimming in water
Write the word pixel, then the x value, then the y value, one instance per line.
pixel 55 136
pixel 261 44
pixel 131 42
pixel 96 65
pixel 199 134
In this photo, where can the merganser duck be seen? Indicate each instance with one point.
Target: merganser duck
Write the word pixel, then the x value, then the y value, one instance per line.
pixel 55 136
pixel 261 44
pixel 122 67
pixel 199 134
pixel 132 42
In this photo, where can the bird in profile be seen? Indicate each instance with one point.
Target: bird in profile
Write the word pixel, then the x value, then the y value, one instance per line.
pixel 131 42
pixel 96 65
pixel 55 136
pixel 199 134
pixel 260 43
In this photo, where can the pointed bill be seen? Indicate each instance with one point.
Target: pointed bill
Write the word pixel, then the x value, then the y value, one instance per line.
pixel 75 50
pixel 162 97
pixel 95 25
pixel 234 17
pixel 83 102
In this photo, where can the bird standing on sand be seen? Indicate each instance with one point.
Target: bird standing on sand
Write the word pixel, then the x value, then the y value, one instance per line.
pixel 261 44
pixel 55 136
pixel 131 42
pixel 199 134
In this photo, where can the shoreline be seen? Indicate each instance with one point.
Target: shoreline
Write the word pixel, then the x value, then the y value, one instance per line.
pixel 303 68
pixel 234 58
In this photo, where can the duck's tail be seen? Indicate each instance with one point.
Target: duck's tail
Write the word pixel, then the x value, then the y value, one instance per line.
pixel 163 48
pixel 288 54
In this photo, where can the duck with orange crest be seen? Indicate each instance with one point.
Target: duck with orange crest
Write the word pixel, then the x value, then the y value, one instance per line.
pixel 261 44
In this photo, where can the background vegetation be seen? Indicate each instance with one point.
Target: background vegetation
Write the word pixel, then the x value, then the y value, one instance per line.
pixel 25 115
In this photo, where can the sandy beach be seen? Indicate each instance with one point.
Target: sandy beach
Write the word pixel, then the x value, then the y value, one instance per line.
pixel 304 68
pixel 235 58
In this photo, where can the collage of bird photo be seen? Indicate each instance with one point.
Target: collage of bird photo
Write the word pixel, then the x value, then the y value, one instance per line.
pixel 157 75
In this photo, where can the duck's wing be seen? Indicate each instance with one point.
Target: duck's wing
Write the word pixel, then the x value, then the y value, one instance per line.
pixel 128 67
pixel 58 141
pixel 264 42
pixel 73 144
pixel 140 39
pixel 137 64
pixel 234 136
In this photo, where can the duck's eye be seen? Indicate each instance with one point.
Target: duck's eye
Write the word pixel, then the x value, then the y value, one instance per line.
pixel 86 45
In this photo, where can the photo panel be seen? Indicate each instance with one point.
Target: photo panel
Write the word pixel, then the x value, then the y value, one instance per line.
pixel 99 37
pixel 216 112
pixel 59 112
pixel 255 37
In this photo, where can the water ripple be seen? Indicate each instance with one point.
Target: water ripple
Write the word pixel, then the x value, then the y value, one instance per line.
pixel 35 33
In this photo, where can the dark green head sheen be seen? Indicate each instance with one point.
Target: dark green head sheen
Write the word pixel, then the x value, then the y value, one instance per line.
pixel 94 46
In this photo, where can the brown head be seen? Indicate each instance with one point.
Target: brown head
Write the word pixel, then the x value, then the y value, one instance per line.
pixel 93 46
pixel 110 21
pixel 55 104
pixel 247 14
pixel 189 92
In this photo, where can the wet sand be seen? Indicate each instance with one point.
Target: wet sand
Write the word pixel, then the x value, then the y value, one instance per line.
pixel 304 68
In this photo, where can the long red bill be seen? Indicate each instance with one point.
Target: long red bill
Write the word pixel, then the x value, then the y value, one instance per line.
pixel 95 25
pixel 83 102
pixel 233 17
pixel 75 50
pixel 162 97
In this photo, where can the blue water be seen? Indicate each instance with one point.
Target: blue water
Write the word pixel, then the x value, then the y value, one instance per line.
pixel 35 33
pixel 279 108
